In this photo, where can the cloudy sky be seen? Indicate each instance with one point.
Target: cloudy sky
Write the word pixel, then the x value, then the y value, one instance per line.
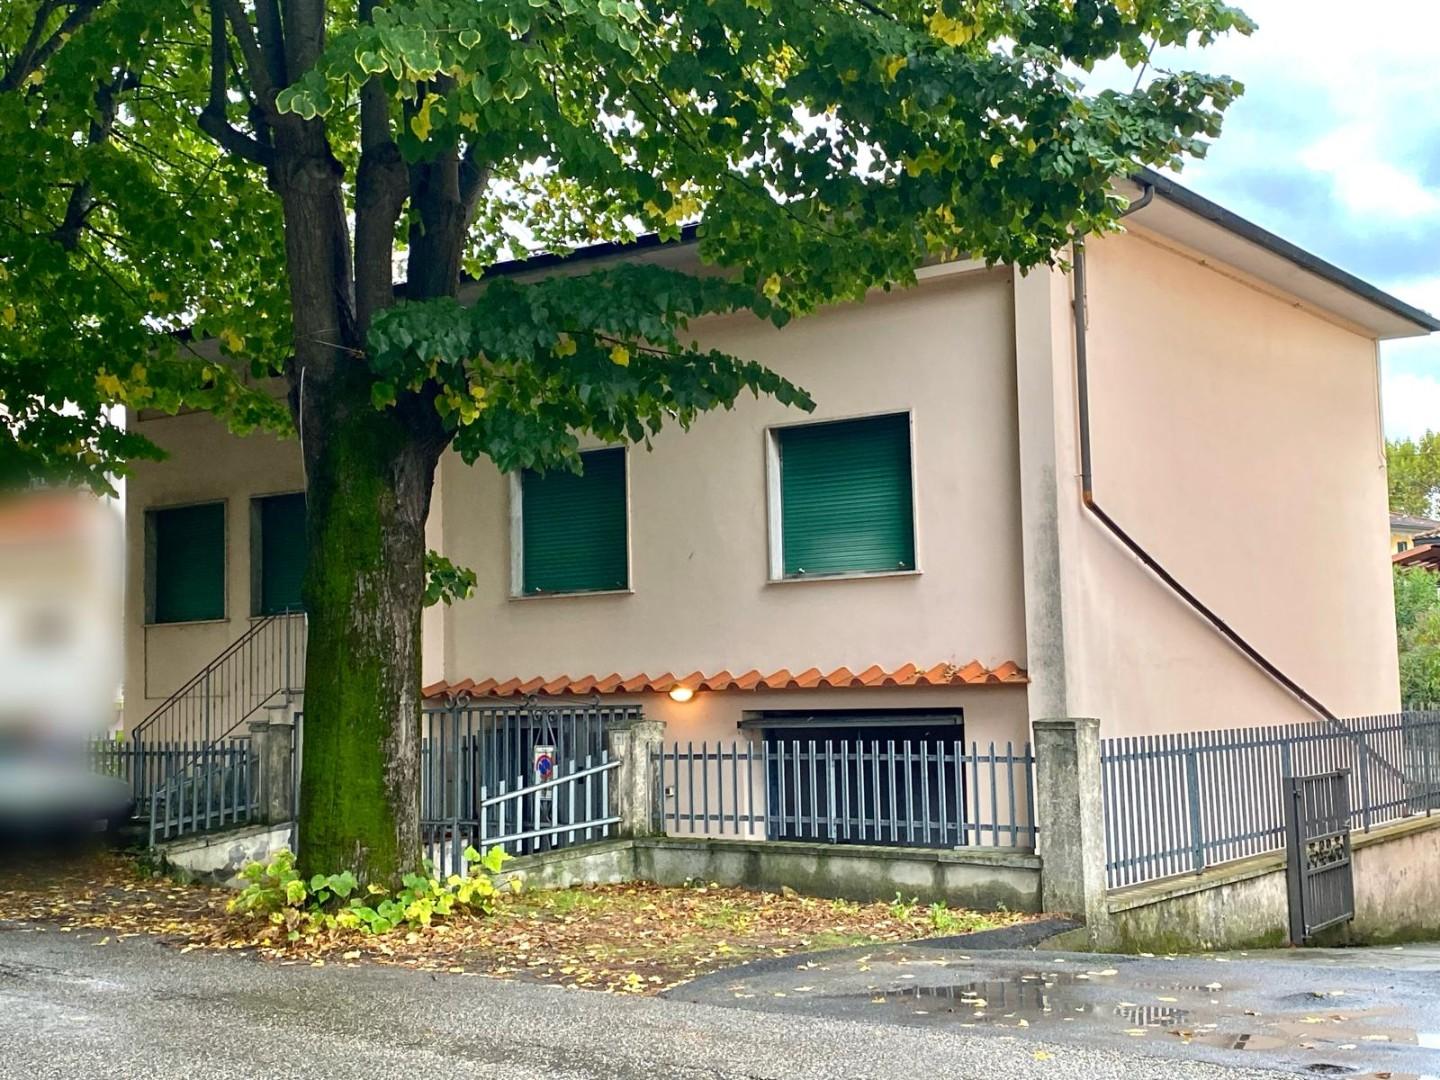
pixel 1336 146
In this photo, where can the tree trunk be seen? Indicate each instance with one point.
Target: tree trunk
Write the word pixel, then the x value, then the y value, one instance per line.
pixel 368 493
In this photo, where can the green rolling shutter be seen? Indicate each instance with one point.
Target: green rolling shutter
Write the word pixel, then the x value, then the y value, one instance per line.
pixel 282 553
pixel 845 497
pixel 573 527
pixel 188 579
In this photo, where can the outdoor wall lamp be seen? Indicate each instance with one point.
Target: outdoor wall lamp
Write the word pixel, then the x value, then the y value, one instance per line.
pixel 681 694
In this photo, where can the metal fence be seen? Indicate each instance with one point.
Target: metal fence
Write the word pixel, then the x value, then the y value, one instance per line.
pixel 482 783
pixel 1181 802
pixel 920 793
pixel 144 766
pixel 215 785
pixel 572 807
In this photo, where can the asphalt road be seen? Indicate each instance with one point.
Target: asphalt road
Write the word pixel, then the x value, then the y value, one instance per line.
pixel 1351 1012
pixel 70 1007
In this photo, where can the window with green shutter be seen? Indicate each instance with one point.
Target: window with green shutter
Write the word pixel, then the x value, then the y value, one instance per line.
pixel 278 552
pixel 186 563
pixel 573 527
pixel 846 504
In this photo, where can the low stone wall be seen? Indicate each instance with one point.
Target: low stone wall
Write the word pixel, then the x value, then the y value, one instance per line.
pixel 1245 904
pixel 219 857
pixel 983 879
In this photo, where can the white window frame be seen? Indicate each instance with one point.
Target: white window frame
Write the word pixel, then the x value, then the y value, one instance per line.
pixel 774 509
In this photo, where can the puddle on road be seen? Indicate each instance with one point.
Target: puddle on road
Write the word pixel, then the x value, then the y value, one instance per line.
pixel 1343 1036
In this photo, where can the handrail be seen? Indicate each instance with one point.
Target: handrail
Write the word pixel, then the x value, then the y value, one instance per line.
pixel 199 677
pixel 276 664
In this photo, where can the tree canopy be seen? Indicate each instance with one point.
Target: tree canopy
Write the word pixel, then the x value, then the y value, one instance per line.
pixel 829 147
pixel 1413 469
pixel 1417 625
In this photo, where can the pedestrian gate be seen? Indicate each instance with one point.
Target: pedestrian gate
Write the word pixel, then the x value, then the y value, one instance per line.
pixel 1320 869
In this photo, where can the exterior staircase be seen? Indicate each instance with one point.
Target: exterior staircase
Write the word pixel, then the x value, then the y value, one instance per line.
pixel 193 767
pixel 262 668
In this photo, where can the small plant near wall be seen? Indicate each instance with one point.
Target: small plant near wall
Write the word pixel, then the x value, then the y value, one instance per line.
pixel 337 902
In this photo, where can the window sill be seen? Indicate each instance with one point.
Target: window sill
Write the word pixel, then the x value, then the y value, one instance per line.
pixel 857 575
pixel 187 622
pixel 571 595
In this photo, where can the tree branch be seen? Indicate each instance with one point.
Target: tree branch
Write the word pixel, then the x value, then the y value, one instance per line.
pixel 474 175
pixel 213 120
pixel 381 188
pixel 257 70
pixel 35 52
pixel 272 40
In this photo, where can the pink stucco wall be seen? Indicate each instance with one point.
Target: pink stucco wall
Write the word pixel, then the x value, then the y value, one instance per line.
pixel 1237 436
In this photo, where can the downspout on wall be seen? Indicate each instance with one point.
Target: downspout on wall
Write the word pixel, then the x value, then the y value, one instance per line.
pixel 1091 504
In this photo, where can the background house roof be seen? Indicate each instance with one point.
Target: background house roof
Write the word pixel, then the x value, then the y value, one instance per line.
pixel 1409 523
pixel 1425 554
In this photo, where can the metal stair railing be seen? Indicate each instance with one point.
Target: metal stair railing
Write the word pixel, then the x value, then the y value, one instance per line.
pixel 264 664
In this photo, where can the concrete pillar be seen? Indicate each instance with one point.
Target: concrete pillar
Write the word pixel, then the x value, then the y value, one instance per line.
pixel 1044 397
pixel 272 741
pixel 1071 815
pixel 635 796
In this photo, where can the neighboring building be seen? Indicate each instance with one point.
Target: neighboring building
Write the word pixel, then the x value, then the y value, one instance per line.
pixel 1408 531
pixel 917 551
pixel 1424 551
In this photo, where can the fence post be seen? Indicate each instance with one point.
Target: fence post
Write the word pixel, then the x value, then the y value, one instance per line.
pixel 1364 764
pixel 271 740
pixel 635 796
pixel 1071 819
pixel 1192 790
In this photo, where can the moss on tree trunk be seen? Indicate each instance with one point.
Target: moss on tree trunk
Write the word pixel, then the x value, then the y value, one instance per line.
pixel 368 493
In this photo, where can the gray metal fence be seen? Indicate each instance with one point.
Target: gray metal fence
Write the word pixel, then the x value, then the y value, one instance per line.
pixel 573 807
pixel 214 785
pixel 920 793
pixel 479 784
pixel 1181 802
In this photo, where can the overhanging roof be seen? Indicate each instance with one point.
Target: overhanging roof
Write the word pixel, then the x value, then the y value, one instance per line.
pixel 1176 212
pixel 1209 228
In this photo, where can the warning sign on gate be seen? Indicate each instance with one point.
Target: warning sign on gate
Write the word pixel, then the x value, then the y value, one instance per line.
pixel 544 763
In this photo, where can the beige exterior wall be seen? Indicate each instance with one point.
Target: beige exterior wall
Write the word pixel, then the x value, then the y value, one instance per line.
pixel 206 464
pixel 700 598
pixel 1236 435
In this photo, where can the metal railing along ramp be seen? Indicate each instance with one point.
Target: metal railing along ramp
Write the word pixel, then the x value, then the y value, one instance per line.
pixel 1179 803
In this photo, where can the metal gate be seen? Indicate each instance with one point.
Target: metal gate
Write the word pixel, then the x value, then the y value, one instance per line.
pixel 1320 870
pixel 495 772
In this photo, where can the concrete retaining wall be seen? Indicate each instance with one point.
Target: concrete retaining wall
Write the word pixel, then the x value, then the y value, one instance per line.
pixel 220 857
pixel 1245 904
pixel 981 879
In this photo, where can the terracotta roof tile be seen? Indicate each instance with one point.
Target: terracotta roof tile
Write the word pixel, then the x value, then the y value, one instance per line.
pixel 971 674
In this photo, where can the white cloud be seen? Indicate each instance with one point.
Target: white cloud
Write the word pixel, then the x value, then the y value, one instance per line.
pixel 1412 404
pixel 1362 180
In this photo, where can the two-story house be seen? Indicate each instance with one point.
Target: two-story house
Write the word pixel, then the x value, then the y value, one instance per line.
pixel 1020 496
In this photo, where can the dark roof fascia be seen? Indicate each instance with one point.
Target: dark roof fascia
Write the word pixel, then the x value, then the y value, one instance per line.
pixel 589 253
pixel 1247 230
pixel 1164 187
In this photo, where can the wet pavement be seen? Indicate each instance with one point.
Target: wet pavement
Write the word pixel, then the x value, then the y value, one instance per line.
pixel 84 1004
pixel 1356 1013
